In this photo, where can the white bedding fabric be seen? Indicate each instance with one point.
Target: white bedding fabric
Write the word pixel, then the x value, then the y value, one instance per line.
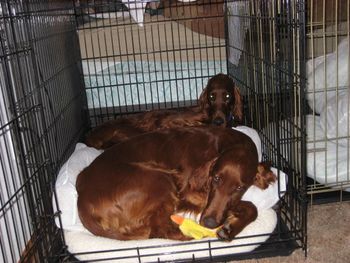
pixel 328 162
pixel 335 119
pixel 328 94
pixel 80 240
pixel 325 74
pixel 67 195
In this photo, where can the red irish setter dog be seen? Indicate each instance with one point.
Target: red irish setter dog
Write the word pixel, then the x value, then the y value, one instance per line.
pixel 132 188
pixel 219 104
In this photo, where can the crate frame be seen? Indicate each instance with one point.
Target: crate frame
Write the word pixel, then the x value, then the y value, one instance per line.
pixel 54 108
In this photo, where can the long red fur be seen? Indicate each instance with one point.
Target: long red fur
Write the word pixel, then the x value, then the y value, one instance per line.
pixel 131 190
pixel 220 104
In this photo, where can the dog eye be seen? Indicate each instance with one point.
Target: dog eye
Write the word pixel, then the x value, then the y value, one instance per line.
pixel 216 178
pixel 212 97
pixel 239 188
pixel 228 97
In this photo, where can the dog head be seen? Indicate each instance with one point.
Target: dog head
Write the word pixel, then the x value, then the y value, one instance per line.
pixel 230 179
pixel 221 101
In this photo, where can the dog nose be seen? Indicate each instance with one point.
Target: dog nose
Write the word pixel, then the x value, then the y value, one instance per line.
pixel 218 121
pixel 209 222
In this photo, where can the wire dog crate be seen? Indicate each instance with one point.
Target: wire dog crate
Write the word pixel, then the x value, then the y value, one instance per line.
pixel 327 94
pixel 41 103
pixel 301 97
pixel 67 66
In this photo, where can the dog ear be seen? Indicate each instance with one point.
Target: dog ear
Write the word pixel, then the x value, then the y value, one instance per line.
pixel 203 98
pixel 237 107
pixel 197 180
pixel 264 176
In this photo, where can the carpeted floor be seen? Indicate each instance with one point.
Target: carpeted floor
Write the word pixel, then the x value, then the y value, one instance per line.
pixel 328 237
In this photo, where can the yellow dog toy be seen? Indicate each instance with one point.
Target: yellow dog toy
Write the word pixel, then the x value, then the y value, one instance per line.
pixel 192 229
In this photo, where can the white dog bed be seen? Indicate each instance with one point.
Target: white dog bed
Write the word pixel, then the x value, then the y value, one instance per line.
pixel 82 243
pixel 167 250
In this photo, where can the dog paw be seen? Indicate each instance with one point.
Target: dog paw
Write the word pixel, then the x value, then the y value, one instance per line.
pixel 224 233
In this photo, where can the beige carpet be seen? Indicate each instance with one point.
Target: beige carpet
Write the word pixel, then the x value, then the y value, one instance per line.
pixel 328 237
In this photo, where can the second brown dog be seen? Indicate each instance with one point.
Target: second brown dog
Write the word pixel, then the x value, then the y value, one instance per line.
pixel 220 104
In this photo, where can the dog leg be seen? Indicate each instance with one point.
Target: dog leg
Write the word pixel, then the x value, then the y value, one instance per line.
pixel 163 227
pixel 237 219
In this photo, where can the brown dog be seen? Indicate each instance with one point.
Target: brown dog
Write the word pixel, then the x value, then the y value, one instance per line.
pixel 131 189
pixel 219 104
pixel 221 101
